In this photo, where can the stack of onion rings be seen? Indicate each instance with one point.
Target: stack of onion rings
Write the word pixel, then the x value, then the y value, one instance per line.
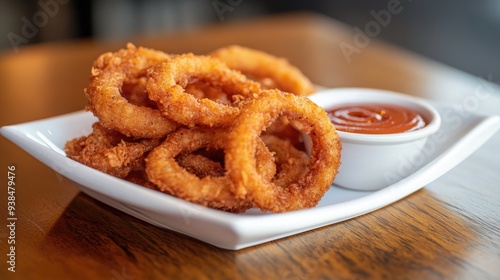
pixel 208 130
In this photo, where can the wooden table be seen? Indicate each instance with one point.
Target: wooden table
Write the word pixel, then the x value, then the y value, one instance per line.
pixel 448 230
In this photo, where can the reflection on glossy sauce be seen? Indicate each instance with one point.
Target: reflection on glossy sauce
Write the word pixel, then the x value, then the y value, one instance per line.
pixel 373 118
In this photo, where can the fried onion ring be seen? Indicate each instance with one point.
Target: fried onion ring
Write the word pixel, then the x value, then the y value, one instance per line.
pixel 167 86
pixel 109 151
pixel 322 166
pixel 109 74
pixel 212 191
pixel 270 71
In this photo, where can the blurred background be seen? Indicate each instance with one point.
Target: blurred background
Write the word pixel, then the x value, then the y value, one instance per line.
pixel 460 33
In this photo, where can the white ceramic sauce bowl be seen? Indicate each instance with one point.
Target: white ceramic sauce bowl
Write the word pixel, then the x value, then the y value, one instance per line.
pixel 374 161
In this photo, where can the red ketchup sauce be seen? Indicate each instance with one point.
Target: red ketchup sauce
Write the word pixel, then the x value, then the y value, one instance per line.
pixel 373 118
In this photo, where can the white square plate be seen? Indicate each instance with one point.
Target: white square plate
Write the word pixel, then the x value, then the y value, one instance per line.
pixel 44 139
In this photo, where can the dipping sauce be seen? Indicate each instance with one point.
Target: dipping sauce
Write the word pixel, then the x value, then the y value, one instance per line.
pixel 372 118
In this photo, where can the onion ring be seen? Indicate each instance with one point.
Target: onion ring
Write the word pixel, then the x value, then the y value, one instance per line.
pixel 211 191
pixel 109 151
pixel 167 82
pixel 270 71
pixel 324 160
pixel 109 73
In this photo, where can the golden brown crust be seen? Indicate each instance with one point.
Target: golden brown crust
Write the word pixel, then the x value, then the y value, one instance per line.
pixel 322 166
pixel 104 93
pixel 271 71
pixel 191 127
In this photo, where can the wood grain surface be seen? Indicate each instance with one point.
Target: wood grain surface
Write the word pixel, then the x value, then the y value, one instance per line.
pixel 448 230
